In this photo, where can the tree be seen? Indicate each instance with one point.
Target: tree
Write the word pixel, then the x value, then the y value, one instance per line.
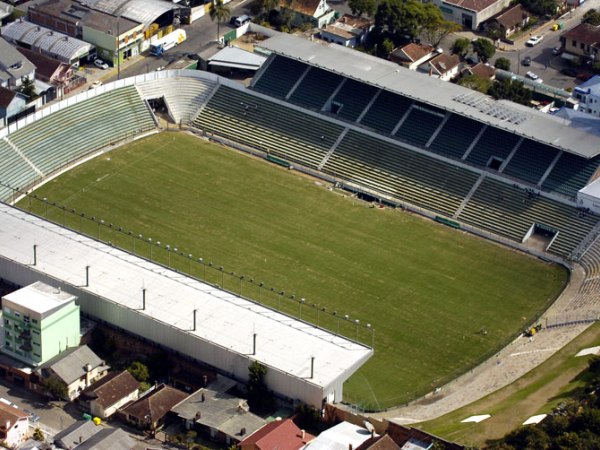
pixel 55 388
pixel 541 7
pixel 406 18
pixel 476 83
pixel 461 47
pixel 259 396
pixel 220 12
pixel 360 7
pixel 494 31
pixel 592 17
pixel 190 437
pixel 437 30
pixel 28 87
pixel 139 371
pixel 484 49
pixel 510 90
pixel 270 5
pixel 502 63
pixel 38 435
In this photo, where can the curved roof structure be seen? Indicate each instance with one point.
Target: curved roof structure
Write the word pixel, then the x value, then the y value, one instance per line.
pixel 49 42
pixel 142 11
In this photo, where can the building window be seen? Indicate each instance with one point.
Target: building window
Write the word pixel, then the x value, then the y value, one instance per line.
pixel 34 320
pixel 17 314
pixel 35 354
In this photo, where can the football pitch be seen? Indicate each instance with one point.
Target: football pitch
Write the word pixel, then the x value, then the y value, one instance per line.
pixel 438 300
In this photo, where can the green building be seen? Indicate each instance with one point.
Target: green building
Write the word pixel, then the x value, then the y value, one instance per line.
pixel 40 322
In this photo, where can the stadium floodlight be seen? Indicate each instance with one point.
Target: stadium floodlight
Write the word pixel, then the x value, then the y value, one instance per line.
pixel 100 222
pixel 372 335
pixel 301 302
pixel 150 245
pixel 168 247
pixel 190 265
pixel 357 323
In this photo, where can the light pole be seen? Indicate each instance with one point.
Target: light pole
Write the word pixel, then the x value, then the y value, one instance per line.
pixel 241 284
pixel 190 265
pixel 100 222
pixel 372 335
pixel 222 276
pixel 260 286
pixel 357 322
pixel 201 261
pixel 301 302
pixel 150 245
pixel 168 247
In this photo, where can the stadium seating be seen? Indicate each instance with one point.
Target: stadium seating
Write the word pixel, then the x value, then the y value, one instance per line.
pixel 456 136
pixel 315 88
pixel 510 211
pixel 570 174
pixel 400 173
pixel 14 170
pixel 281 131
pixel 492 143
pixel 73 132
pixel 280 76
pixel 354 96
pixel 421 123
pixel 183 95
pixel 531 161
pixel 386 111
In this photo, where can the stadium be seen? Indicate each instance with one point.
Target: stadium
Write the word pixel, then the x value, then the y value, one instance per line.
pixel 362 125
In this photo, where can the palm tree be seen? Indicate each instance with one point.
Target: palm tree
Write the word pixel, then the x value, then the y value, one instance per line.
pixel 220 12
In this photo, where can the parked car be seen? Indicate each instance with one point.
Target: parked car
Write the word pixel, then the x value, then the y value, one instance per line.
pixel 526 61
pixel 534 40
pixel 33 417
pixel 569 72
pixel 232 20
pixel 100 64
pixel 95 84
pixel 557 50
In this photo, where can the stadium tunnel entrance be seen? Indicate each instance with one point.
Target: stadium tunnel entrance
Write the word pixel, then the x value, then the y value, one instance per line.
pixel 540 236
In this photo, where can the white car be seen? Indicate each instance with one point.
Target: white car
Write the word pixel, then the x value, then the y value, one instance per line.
pixel 101 64
pixel 534 77
pixel 534 40
pixel 95 84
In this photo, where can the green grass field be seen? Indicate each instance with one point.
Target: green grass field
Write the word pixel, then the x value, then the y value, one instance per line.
pixel 426 289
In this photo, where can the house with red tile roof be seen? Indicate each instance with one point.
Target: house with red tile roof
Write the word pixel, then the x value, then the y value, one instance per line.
pixel 277 435
pixel 14 425
pixel 412 55
pixel 443 66
pixel 348 30
pixel 104 397
pixel 316 12
pixel 149 411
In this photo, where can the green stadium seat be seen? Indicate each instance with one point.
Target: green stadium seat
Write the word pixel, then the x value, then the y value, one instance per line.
pixel 316 88
pixel 421 123
pixel 386 111
pixel 280 76
pixel 570 174
pixel 352 99
pixel 493 143
pixel 456 136
pixel 531 161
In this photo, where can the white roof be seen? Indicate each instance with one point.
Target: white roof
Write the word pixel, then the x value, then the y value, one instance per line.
pixel 40 298
pixel 592 189
pixel 506 115
pixel 238 58
pixel 283 343
pixel 339 437
pixel 142 11
pixel 53 43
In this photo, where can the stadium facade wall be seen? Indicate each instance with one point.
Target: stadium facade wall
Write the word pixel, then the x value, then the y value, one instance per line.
pixel 223 360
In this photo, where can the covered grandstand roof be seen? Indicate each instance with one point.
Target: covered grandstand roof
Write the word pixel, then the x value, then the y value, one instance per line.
pixel 52 43
pixel 525 122
pixel 142 11
pixel 284 344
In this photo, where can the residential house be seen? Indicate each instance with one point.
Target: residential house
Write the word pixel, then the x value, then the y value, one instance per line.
pixel 588 95
pixel 317 13
pixel 48 69
pixel 280 434
pixel 14 425
pixel 11 104
pixel 76 367
pixel 509 21
pixel 214 413
pixel 481 70
pixel 384 442
pixel 443 66
pixel 348 31
pixel 149 411
pixel 75 434
pixel 413 55
pixel 14 67
pixel 342 436
pixel 582 40
pixel 108 439
pixel 470 13
pixel 104 397
pixel 40 322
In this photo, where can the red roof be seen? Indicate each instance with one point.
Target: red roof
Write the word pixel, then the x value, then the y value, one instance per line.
pixel 6 96
pixel 583 33
pixel 473 5
pixel 413 52
pixel 280 435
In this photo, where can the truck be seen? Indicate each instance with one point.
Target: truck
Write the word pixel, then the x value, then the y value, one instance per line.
pixel 159 46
